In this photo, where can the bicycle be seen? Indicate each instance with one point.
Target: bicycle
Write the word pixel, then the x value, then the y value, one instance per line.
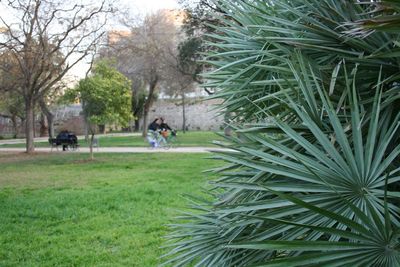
pixel 160 140
pixel 171 139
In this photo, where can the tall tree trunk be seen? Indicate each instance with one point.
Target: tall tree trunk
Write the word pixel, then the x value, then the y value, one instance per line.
pixel 34 122
pixel 102 128
pixel 91 146
pixel 29 125
pixel 135 101
pixel 183 113
pixel 49 118
pixel 148 104
pixel 145 122
pixel 43 127
pixel 22 126
pixel 14 125
pixel 137 125
pixel 50 125
pixel 86 123
pixel 86 126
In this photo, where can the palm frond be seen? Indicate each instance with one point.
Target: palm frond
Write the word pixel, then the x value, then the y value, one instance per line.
pixel 315 172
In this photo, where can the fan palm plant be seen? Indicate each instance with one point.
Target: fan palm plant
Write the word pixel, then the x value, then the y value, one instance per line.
pixel 315 173
pixel 386 18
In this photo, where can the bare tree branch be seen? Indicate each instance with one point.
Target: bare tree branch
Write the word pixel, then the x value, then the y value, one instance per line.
pixel 49 38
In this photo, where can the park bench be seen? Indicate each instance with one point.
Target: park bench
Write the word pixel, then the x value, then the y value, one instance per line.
pixel 67 140
pixel 54 143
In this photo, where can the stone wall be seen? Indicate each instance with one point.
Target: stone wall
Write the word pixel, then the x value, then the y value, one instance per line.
pixel 66 118
pixel 69 118
pixel 6 127
pixel 200 114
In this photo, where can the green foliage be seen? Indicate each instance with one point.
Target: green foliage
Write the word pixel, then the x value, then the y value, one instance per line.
pixel 106 96
pixel 314 179
pixel 197 23
pixel 188 57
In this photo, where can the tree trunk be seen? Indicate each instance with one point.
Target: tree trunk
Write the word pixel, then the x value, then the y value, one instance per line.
pixel 137 125
pixel 34 123
pixel 145 122
pixel 43 127
pixel 50 125
pixel 183 113
pixel 49 118
pixel 147 105
pixel 86 123
pixel 14 125
pixel 29 126
pixel 102 128
pixel 22 126
pixel 91 146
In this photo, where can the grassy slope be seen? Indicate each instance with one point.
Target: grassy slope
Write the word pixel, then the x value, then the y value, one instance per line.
pixel 189 139
pixel 64 211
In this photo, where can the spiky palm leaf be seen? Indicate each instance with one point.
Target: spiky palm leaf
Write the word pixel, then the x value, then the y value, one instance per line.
pixel 321 138
pixel 386 18
pixel 258 39
pixel 332 173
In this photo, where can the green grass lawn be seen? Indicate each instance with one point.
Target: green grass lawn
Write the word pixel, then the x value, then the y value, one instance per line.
pixel 189 139
pixel 62 210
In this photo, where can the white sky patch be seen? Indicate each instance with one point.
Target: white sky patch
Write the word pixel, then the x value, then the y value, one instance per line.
pixel 146 6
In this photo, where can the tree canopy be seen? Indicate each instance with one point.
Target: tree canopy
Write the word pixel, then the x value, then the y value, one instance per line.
pixel 46 39
pixel 105 95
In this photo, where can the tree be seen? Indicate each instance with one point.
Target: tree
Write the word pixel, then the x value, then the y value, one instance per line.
pixel 11 103
pixel 199 16
pixel 106 98
pixel 50 100
pixel 314 176
pixel 141 54
pixel 10 106
pixel 178 81
pixel 47 40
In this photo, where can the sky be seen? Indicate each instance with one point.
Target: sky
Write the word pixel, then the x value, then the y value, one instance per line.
pixel 136 7
pixel 145 6
pixel 139 8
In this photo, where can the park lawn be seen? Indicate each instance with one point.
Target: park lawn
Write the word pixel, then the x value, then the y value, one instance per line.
pixel 63 210
pixel 188 139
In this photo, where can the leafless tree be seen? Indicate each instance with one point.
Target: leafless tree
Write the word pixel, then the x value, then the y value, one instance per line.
pixel 141 54
pixel 38 34
pixel 178 80
pixel 10 107
pixel 49 101
pixel 11 103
